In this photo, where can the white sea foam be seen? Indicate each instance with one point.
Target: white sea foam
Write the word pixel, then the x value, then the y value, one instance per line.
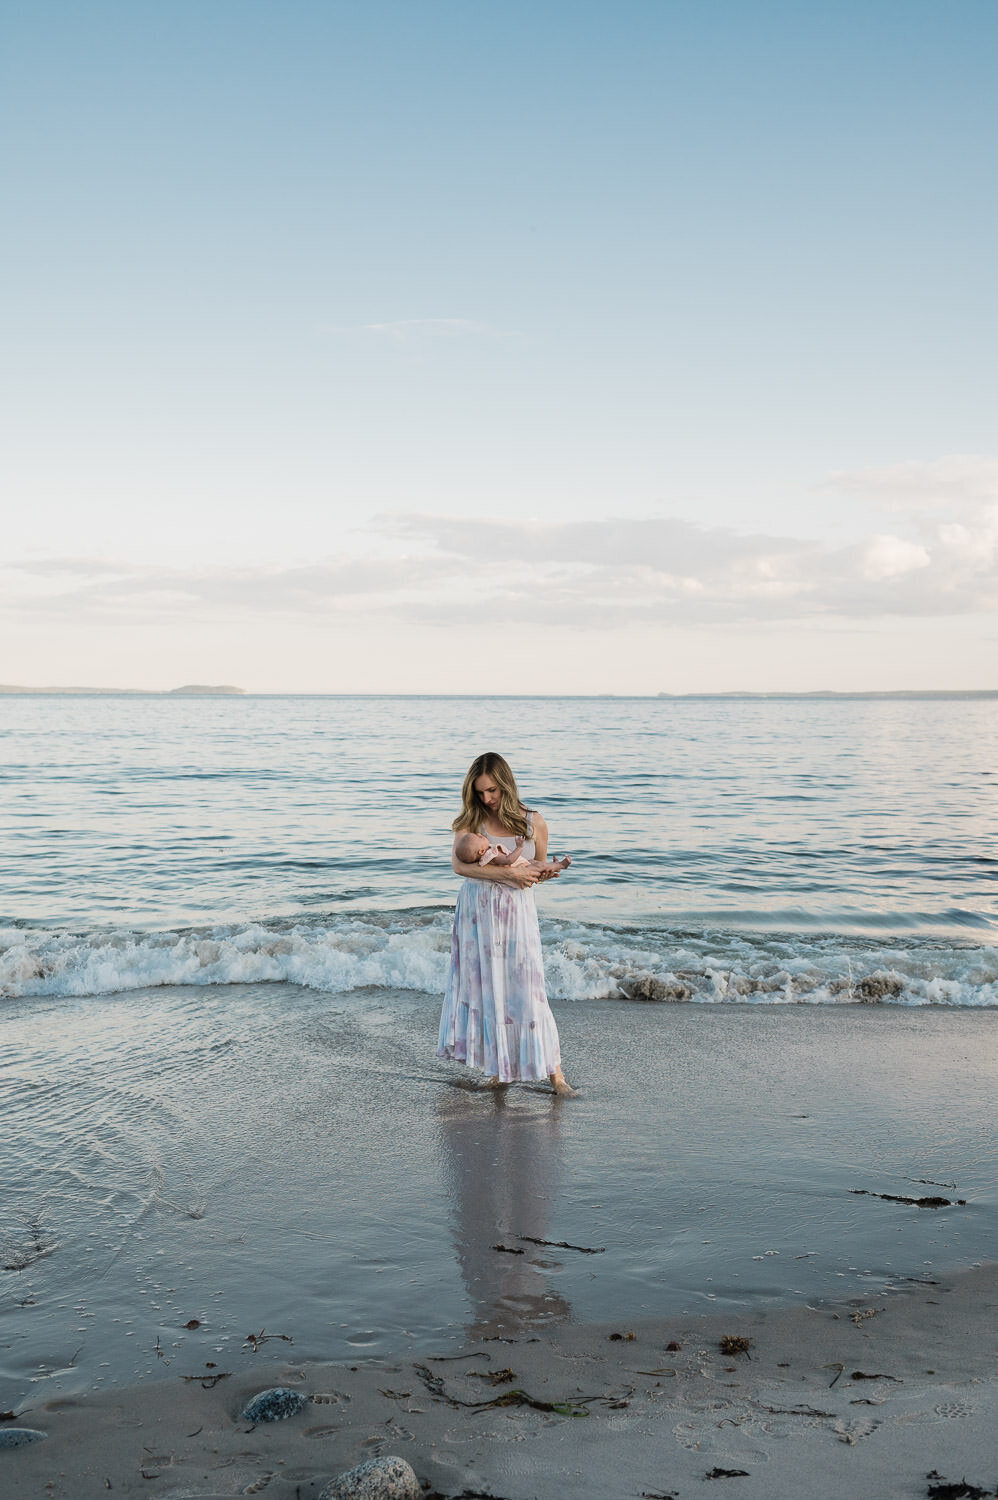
pixel 409 951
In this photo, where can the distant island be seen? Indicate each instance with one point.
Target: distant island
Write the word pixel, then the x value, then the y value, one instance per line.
pixel 189 690
pixel 822 693
pixel 227 690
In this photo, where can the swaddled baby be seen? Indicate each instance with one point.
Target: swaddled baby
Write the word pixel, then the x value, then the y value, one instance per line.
pixel 475 849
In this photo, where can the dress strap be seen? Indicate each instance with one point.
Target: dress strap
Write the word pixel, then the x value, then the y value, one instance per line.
pixel 530 822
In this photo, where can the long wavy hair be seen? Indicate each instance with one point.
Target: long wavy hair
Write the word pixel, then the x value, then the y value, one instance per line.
pixel 511 813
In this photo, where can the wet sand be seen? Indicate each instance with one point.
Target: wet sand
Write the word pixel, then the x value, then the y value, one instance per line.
pixel 188 1167
pixel 864 1399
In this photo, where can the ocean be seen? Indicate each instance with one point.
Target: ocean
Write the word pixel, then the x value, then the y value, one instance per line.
pixel 225 930
pixel 774 851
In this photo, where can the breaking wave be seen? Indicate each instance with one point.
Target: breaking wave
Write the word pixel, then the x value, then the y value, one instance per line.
pixel 409 950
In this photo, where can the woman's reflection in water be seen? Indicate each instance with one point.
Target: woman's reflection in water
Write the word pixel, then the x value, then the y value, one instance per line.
pixel 502 1157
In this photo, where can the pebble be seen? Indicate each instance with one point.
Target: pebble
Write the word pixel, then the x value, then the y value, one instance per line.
pixel 378 1479
pixel 274 1405
pixel 17 1437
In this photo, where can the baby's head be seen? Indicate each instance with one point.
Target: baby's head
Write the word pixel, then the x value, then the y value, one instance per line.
pixel 470 847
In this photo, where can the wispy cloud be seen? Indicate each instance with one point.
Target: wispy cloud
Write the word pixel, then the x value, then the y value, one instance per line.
pixel 940 559
pixel 86 588
pixel 425 330
pixel 626 571
pixel 435 328
pixel 667 545
pixel 959 482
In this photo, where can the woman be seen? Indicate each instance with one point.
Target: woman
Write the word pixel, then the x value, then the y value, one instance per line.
pixel 496 1015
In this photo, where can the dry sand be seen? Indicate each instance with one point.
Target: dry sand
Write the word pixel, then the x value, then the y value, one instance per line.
pixel 860 1401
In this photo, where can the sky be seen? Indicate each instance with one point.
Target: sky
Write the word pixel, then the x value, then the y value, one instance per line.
pixel 436 346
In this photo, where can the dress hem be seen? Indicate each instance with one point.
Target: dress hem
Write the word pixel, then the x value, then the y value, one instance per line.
pixel 495 1014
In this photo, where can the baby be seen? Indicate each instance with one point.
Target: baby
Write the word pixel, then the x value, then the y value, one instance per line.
pixel 475 849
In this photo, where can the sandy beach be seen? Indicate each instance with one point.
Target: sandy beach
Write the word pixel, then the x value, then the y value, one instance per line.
pixel 869 1398
pixel 572 426
pixel 217 1191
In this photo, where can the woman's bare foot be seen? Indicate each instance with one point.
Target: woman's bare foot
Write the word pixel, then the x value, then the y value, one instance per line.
pixel 561 1085
pixel 494 1083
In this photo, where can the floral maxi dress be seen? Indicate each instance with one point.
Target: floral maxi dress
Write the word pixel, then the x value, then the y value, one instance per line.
pixel 495 1014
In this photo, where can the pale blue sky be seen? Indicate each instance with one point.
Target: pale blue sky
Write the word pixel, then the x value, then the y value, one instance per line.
pixel 276 271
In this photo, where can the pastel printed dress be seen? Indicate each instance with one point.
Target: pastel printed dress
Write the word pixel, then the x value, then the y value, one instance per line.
pixel 495 1014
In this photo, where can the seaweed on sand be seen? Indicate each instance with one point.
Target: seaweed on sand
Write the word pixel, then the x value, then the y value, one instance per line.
pixel 942 1489
pixel 578 1407
pixel 915 1202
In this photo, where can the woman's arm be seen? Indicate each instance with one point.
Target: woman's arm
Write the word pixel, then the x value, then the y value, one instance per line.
pixel 540 828
pixel 521 875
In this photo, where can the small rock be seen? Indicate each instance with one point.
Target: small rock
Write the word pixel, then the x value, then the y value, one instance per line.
pixel 649 987
pixel 18 1437
pixel 274 1405
pixel 879 986
pixel 378 1479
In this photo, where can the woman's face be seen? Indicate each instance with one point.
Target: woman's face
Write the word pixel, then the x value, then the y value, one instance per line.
pixel 487 792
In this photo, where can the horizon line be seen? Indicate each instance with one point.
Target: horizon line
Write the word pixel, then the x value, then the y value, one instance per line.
pixel 726 694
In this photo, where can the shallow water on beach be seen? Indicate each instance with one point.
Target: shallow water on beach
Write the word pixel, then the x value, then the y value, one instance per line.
pixel 224 929
pixel 769 851
pixel 297 1165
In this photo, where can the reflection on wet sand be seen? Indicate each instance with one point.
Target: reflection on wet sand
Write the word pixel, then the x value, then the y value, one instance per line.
pixel 502 1156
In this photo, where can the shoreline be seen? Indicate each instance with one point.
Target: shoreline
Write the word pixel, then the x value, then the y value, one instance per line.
pixel 816 695
pixel 183 1168
pixel 862 1397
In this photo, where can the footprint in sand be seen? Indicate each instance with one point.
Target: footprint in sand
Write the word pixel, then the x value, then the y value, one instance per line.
pixel 719 1436
pixel 260 1484
pixel 461 1438
pixel 854 1432
pixel 954 1409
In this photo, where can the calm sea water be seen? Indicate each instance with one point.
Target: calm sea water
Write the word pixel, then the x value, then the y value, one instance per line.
pixel 770 851
pixel 224 931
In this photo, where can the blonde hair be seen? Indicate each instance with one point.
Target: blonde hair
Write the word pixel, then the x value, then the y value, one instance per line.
pixel 511 813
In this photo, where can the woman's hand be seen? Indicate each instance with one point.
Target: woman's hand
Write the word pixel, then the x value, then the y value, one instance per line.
pixel 518 875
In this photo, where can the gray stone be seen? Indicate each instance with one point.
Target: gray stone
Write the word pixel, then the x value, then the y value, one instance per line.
pixel 274 1405
pixel 878 986
pixel 378 1479
pixel 649 987
pixel 17 1437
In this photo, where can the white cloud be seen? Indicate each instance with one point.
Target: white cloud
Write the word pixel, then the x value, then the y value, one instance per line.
pixel 972 547
pixel 84 588
pixel 671 546
pixel 422 330
pixel 583 575
pixel 951 506
pixel 447 328
pixel 956 483
pixel 891 557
